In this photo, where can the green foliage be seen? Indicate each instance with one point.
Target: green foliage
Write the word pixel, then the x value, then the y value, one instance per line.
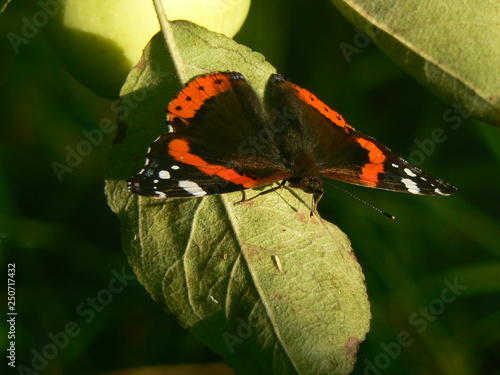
pixel 65 240
pixel 3 5
pixel 268 288
pixel 453 49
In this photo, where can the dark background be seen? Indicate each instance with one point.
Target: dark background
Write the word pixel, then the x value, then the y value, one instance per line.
pixel 65 240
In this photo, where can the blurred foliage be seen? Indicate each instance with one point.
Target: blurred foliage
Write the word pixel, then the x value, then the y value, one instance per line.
pixel 66 242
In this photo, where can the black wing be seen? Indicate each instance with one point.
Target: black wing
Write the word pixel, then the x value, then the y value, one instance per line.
pixel 216 145
pixel 341 153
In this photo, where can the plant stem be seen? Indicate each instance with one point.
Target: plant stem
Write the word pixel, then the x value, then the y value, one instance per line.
pixel 168 34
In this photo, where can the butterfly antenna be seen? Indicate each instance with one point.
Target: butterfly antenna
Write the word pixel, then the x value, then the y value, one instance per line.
pixel 362 201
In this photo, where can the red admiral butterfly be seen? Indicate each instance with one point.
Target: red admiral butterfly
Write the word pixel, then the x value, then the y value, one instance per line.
pixel 223 138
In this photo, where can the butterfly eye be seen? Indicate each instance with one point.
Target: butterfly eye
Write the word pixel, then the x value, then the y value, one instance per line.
pixel 311 185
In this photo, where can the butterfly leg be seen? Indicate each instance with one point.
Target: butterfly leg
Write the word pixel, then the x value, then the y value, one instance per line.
pixel 315 200
pixel 280 186
pixel 243 197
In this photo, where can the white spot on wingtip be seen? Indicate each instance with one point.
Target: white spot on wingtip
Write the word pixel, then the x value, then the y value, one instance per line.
pixel 192 188
pixel 409 172
pixel 411 185
pixel 437 190
pixel 164 175
pixel 175 167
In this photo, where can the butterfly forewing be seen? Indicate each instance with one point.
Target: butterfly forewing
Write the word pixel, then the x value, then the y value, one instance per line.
pixel 211 149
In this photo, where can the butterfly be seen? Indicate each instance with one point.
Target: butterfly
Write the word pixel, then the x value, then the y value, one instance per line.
pixel 223 138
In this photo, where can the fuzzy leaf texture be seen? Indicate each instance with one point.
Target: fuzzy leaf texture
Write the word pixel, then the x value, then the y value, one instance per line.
pixel 451 47
pixel 268 288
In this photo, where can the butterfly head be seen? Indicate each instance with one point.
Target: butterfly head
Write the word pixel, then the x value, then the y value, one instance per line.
pixel 309 184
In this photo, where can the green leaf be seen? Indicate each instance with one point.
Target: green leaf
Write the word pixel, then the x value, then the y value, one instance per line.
pixel 3 5
pixel 452 48
pixel 264 285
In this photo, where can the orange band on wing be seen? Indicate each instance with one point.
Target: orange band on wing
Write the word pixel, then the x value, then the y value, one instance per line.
pixel 194 94
pixel 375 165
pixel 326 111
pixel 180 151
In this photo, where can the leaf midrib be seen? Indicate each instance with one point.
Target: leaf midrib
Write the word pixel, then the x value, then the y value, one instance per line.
pixel 411 47
pixel 270 315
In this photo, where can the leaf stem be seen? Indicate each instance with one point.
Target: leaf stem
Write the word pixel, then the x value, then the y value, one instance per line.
pixel 168 34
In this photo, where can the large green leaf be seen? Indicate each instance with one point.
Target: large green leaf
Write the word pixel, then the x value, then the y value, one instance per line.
pixel 451 47
pixel 267 287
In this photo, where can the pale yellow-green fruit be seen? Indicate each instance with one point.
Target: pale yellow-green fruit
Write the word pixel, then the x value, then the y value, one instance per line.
pixel 99 41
